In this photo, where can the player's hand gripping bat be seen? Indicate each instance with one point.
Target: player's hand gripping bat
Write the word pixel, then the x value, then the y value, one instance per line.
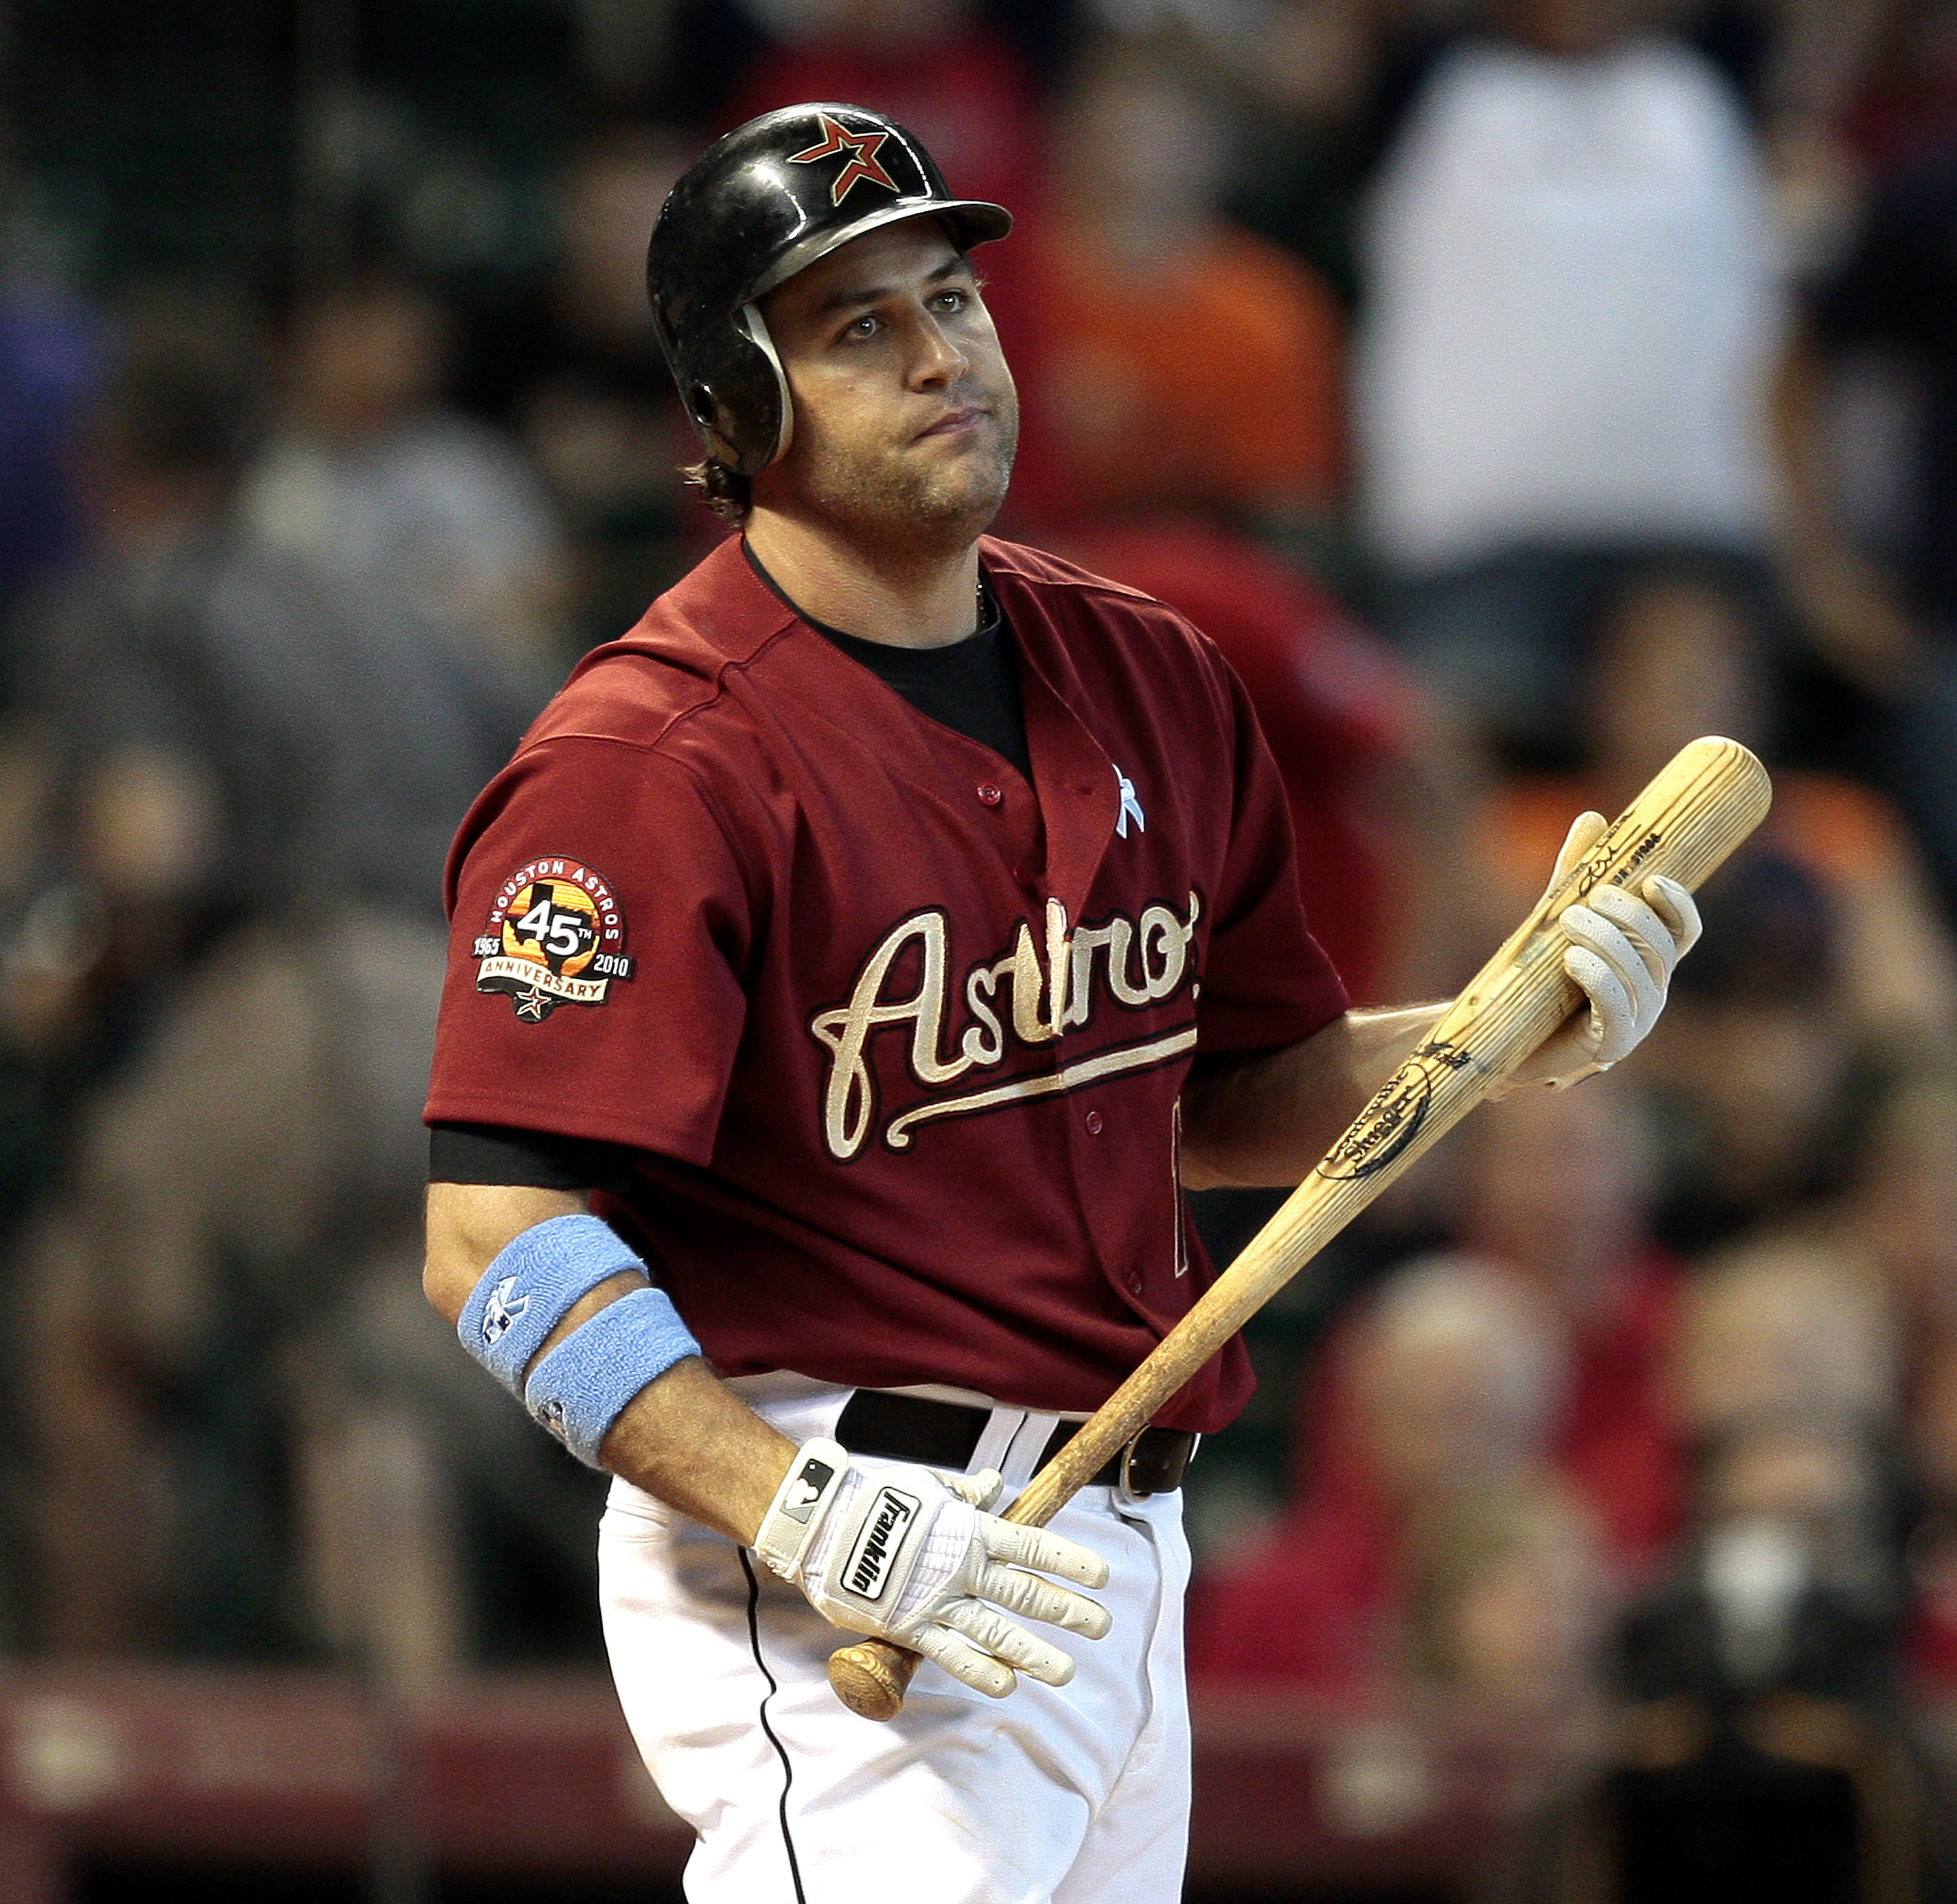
pixel 1700 808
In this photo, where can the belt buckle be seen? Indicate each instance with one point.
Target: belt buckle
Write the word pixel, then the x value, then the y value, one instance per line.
pixel 1123 1478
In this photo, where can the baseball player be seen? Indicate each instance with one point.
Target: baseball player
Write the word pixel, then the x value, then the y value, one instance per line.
pixel 850 971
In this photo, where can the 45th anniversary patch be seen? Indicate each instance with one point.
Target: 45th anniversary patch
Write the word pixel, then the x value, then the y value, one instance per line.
pixel 556 936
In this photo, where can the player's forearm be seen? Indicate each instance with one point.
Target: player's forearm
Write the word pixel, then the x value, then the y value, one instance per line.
pixel 1267 1122
pixel 686 1437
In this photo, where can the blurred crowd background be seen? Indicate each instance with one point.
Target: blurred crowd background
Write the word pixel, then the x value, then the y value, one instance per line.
pixel 1514 389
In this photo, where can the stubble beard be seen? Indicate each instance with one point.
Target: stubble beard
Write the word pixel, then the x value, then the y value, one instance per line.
pixel 922 505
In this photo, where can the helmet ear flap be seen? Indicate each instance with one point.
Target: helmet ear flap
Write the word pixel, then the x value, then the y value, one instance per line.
pixel 743 414
pixel 756 326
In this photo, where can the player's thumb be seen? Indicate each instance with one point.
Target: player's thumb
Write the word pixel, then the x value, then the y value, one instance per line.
pixel 979 1490
pixel 1584 831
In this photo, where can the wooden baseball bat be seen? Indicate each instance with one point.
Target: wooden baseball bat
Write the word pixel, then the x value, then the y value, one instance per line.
pixel 1705 801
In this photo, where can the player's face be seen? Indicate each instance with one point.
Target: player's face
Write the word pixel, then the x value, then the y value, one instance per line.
pixel 904 415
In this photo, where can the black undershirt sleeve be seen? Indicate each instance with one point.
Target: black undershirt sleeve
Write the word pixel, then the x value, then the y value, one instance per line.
pixel 488 1153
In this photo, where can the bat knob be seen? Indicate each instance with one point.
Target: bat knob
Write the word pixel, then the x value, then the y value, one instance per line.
pixel 870 1678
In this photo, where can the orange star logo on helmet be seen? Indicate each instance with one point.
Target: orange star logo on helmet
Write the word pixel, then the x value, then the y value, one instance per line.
pixel 861 147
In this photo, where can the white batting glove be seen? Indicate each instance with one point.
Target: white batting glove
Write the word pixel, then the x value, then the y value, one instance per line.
pixel 1622 948
pixel 907 1554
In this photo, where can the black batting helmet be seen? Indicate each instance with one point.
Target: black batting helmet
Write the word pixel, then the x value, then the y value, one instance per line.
pixel 756 206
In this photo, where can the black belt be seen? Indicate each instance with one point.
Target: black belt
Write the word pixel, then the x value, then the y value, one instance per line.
pixel 945 1435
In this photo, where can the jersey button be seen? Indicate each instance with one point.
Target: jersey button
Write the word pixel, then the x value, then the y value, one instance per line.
pixel 990 795
pixel 1096 1123
pixel 1134 1282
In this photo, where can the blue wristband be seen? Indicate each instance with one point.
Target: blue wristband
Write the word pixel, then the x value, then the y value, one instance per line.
pixel 531 1287
pixel 584 1385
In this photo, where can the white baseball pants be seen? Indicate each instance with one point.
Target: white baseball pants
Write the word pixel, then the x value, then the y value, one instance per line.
pixel 1073 1796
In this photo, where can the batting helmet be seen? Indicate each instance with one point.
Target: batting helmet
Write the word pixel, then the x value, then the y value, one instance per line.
pixel 759 205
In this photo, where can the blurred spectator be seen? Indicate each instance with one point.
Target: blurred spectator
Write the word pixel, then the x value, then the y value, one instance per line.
pixel 1905 102
pixel 1899 1218
pixel 1761 1073
pixel 1781 1327
pixel 1506 1597
pixel 1789 1580
pixel 1932 1653
pixel 1181 362
pixel 120 809
pixel 268 757
pixel 370 477
pixel 1573 312
pixel 581 373
pixel 1896 1222
pixel 1558 1190
pixel 1321 83
pixel 1764 1753
pixel 1799 65
pixel 1450 1382
pixel 1903 1209
pixel 1679 654
pixel 321 728
pixel 50 359
pixel 1554 1195
pixel 1892 310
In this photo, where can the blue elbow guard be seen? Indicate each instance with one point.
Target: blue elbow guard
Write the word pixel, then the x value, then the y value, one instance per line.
pixel 531 1287
pixel 584 1385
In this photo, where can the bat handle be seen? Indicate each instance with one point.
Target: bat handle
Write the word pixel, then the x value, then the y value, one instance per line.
pixel 871 1676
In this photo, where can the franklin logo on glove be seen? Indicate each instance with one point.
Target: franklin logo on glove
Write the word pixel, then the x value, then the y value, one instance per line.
pixel 868 1572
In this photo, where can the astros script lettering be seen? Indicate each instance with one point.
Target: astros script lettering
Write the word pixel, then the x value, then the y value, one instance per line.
pixel 1030 995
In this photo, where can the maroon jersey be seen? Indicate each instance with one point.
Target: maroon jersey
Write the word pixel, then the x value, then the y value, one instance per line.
pixel 898 1038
